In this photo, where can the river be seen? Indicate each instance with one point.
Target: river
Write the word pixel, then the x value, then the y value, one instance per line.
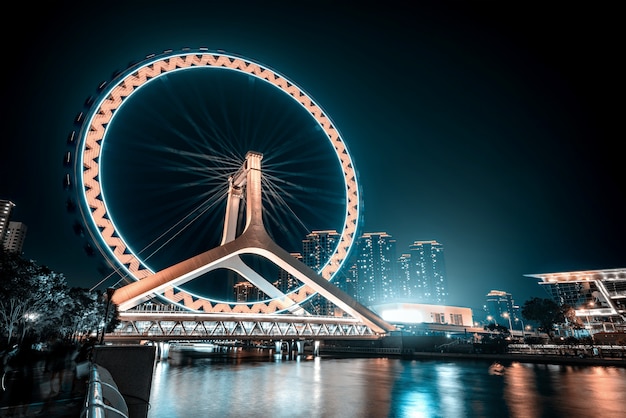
pixel 268 385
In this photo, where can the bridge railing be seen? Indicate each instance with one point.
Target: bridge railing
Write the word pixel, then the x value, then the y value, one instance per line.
pixel 164 325
pixel 103 399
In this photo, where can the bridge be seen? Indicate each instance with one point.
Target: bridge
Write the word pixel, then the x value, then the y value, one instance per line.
pixel 284 333
pixel 282 318
pixel 191 326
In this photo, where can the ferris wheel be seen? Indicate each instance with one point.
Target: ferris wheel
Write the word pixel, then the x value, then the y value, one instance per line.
pixel 154 151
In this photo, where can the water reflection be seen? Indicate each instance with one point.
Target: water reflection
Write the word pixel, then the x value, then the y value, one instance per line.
pixel 326 387
pixel 536 390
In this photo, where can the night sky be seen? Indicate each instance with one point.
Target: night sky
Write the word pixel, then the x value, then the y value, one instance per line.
pixel 490 127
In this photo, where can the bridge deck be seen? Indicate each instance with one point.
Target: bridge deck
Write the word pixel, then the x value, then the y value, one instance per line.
pixel 230 326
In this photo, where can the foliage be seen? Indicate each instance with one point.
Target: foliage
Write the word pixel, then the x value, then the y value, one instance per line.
pixel 83 314
pixel 571 319
pixel 545 312
pixel 35 300
pixel 30 295
pixel 497 328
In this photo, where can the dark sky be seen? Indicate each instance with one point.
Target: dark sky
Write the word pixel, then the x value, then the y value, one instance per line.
pixel 490 127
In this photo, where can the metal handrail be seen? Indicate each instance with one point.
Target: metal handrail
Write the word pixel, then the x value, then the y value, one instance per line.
pixel 95 402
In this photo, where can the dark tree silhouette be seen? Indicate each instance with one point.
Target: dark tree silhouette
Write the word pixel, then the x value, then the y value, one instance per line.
pixel 545 312
pixel 36 300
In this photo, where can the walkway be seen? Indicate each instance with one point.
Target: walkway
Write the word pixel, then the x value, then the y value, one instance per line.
pixel 64 405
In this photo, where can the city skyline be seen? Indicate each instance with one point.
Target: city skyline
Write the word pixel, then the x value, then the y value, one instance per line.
pixel 240 286
pixel 475 125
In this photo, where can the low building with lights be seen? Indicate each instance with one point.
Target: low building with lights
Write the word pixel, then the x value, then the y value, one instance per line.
pixel 413 313
pixel 597 296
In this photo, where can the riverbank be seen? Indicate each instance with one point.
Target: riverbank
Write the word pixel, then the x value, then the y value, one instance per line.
pixel 487 357
pixel 521 358
pixel 442 348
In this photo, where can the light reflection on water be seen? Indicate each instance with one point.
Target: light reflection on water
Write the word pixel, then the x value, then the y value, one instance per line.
pixel 273 386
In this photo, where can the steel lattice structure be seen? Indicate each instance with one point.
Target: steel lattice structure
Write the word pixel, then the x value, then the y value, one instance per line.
pixel 189 326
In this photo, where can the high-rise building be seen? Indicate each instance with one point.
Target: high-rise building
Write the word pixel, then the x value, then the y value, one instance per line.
pixel 6 207
pixel 404 280
pixel 14 237
pixel 376 268
pixel 427 273
pixel 316 250
pixel 247 292
pixel 286 282
pixel 347 279
pixel 501 309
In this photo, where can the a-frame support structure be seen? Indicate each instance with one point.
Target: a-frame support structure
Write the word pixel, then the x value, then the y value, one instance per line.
pixel 253 240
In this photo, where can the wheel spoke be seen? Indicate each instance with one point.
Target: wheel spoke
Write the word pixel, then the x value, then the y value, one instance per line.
pixel 161 141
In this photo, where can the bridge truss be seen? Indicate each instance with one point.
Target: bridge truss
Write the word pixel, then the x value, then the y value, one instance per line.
pixel 190 326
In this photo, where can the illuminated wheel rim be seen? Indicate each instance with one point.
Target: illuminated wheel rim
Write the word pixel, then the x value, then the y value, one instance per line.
pixel 101 221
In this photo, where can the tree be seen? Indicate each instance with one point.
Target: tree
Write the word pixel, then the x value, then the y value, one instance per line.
pixel 36 300
pixel 47 300
pixel 30 296
pixel 545 312
pixel 497 328
pixel 85 313
pixel 571 320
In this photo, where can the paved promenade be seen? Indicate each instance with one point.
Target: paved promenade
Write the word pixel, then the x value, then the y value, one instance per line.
pixel 44 402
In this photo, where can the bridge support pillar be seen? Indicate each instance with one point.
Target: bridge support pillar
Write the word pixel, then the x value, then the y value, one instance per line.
pixel 163 350
pixel 289 347
pixel 316 348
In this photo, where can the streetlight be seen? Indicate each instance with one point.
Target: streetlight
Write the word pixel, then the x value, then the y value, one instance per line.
pixel 523 328
pixel 109 295
pixel 507 316
pixel 29 317
pixel 491 318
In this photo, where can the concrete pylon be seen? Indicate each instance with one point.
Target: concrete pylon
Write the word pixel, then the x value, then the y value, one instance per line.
pixel 253 240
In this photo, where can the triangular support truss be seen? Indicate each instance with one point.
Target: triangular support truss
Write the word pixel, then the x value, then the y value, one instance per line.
pixel 253 240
